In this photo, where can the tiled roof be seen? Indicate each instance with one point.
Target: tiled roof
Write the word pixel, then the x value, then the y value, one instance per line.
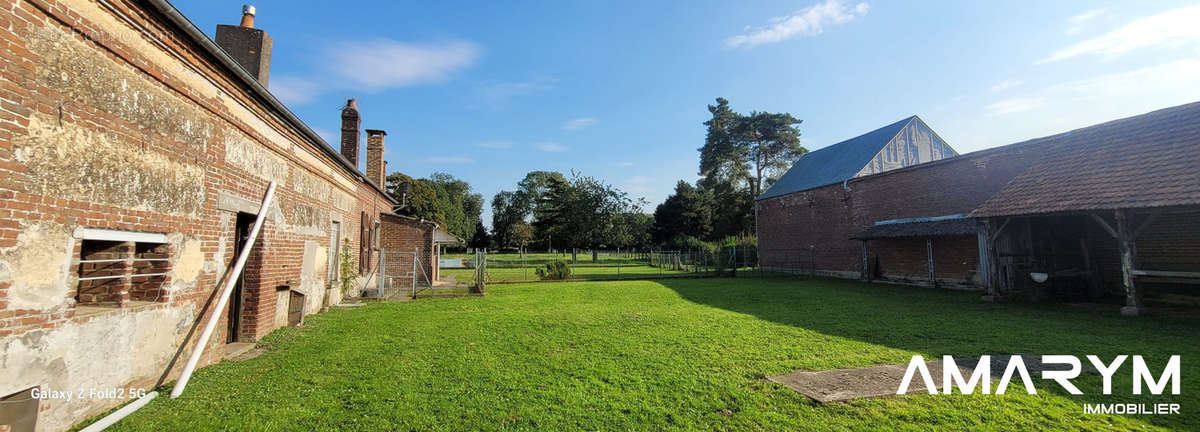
pixel 937 228
pixel 835 163
pixel 1150 160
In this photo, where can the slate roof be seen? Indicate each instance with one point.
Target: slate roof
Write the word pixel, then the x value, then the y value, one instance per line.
pixel 835 163
pixel 1150 160
pixel 938 228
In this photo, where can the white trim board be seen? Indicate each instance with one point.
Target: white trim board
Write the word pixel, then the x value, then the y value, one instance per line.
pixel 119 236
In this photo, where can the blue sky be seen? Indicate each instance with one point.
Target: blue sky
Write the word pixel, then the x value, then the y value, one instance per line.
pixel 488 91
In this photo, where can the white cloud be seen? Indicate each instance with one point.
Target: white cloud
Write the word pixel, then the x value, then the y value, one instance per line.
pixel 330 138
pixel 495 144
pixel 637 180
pixel 1171 78
pixel 810 21
pixel 293 90
pixel 551 147
pixel 624 164
pixel 579 123
pixel 1013 105
pixel 1172 28
pixel 1006 84
pixel 1078 22
pixel 494 94
pixel 1076 103
pixel 449 160
pixel 381 64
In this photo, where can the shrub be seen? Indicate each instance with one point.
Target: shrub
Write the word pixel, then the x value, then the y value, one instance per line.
pixel 348 273
pixel 557 270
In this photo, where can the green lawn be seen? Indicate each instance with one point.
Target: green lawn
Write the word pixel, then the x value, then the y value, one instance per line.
pixel 510 267
pixel 508 274
pixel 666 354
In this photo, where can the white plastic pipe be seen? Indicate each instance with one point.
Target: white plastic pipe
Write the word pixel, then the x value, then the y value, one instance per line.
pixel 224 299
pixel 117 415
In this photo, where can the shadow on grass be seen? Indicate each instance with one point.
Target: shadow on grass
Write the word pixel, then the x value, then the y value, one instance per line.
pixel 940 322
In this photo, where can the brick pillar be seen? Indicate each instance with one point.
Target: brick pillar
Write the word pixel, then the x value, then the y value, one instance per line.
pixel 375 166
pixel 350 126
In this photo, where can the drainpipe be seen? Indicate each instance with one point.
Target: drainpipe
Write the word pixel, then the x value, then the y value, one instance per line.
pixel 117 415
pixel 224 299
pixel 126 410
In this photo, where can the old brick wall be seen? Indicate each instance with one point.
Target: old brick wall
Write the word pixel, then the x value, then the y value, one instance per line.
pixel 111 117
pixel 812 228
pixel 402 237
pixel 1170 243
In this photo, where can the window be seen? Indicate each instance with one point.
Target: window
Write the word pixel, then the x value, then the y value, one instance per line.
pixel 114 272
pixel 102 268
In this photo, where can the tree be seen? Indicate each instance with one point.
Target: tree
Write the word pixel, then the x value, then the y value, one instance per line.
pixel 581 212
pixel 521 233
pixel 740 158
pixel 480 239
pixel 416 197
pixel 631 230
pixel 531 189
pixel 441 198
pixel 772 143
pixel 507 213
pixel 687 212
pixel 721 159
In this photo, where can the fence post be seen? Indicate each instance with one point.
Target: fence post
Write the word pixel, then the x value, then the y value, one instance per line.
pixel 382 282
pixel 414 274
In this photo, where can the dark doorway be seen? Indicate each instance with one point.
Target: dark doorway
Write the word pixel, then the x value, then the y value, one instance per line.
pixel 245 222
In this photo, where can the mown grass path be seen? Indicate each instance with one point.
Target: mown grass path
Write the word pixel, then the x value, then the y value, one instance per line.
pixel 669 354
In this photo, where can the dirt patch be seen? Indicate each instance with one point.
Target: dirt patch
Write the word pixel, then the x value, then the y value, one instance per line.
pixel 883 380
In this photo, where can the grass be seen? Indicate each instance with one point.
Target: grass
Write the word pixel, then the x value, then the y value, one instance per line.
pixel 604 259
pixel 511 267
pixel 681 354
pixel 507 274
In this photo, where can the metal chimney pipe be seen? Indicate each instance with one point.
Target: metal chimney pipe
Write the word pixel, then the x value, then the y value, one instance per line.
pixel 248 12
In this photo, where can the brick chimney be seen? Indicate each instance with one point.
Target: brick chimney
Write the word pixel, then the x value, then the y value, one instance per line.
pixel 376 167
pixel 350 124
pixel 249 46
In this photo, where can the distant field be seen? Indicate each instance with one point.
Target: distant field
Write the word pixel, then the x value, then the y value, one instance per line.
pixel 609 265
pixel 514 267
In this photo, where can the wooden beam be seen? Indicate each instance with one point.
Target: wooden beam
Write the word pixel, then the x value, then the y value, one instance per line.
pixel 1104 224
pixel 999 230
pixel 1145 223
pixel 1162 273
pixel 866 265
pixel 981 241
pixel 1128 248
pixel 929 252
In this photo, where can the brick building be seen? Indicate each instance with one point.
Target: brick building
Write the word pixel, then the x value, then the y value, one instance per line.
pixel 993 217
pixel 402 238
pixel 134 155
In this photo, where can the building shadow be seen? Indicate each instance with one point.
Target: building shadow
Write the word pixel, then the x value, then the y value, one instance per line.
pixel 936 322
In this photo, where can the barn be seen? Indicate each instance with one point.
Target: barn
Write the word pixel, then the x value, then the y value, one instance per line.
pixel 1106 211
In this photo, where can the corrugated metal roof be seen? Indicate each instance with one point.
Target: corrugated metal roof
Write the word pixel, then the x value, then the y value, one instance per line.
pixel 835 163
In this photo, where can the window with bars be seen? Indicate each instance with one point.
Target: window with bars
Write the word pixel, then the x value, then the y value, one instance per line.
pixel 115 272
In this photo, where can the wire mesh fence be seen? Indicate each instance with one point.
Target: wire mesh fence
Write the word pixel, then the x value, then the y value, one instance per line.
pixel 409 274
pixel 585 265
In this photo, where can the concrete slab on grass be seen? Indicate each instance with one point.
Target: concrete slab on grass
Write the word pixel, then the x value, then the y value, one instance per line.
pixel 883 380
